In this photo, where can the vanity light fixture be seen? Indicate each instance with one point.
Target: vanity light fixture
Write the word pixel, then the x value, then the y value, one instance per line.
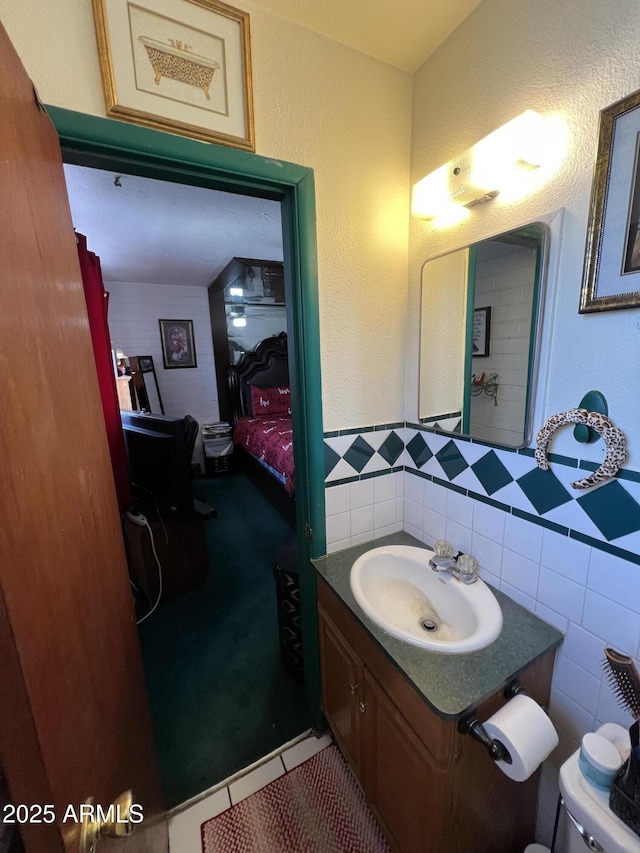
pixel 236 291
pixel 240 321
pixel 500 163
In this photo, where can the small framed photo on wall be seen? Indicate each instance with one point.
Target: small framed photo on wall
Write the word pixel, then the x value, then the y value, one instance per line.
pixel 178 345
pixel 481 332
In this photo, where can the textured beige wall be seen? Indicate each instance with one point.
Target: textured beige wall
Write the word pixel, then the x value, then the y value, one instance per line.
pixel 325 106
pixel 569 59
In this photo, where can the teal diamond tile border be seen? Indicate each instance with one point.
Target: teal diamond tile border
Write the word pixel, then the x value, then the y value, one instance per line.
pixel 491 473
pixel 612 508
pixel 544 490
pixel 359 454
pixel 451 460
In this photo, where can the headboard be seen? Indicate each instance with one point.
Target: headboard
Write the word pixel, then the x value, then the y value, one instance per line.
pixel 265 366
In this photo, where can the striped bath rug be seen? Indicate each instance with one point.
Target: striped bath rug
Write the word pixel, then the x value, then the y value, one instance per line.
pixel 314 808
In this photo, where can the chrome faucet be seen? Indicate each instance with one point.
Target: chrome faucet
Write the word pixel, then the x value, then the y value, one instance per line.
pixel 461 566
pixel 443 564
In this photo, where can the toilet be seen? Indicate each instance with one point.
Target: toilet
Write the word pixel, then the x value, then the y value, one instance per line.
pixel 589 807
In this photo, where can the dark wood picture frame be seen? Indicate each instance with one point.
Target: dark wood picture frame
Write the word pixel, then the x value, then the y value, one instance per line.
pixel 481 332
pixel 178 345
pixel 611 274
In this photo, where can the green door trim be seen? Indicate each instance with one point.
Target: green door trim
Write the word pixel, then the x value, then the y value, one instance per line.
pixel 106 144
pixel 468 347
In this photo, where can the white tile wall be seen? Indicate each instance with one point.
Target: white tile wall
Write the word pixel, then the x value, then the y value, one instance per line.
pixel 590 595
pixel 363 510
pixel 506 284
pixel 134 311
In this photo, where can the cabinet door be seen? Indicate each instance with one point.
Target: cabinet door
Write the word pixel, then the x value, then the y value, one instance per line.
pixel 341 672
pixel 406 790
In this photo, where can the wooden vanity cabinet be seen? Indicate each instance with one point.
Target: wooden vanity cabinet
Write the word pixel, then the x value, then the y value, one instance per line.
pixel 432 789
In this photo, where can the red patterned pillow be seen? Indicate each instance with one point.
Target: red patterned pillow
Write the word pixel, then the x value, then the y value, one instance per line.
pixel 270 401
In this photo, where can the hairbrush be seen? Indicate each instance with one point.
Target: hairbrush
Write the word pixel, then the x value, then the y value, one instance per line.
pixel 624 680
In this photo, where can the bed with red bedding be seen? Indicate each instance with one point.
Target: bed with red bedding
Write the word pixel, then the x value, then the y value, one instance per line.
pixel 262 409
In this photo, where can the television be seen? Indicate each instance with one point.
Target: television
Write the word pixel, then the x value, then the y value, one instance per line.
pixel 159 465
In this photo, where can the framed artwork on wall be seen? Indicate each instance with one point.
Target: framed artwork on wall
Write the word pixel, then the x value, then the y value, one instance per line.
pixel 611 276
pixel 183 66
pixel 481 332
pixel 178 346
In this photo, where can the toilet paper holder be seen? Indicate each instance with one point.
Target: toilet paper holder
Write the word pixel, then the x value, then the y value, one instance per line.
pixel 471 725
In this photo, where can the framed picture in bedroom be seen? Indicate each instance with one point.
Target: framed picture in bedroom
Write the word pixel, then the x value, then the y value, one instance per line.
pixel 183 66
pixel 178 345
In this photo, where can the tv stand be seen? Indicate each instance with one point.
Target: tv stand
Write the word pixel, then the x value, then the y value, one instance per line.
pixel 182 553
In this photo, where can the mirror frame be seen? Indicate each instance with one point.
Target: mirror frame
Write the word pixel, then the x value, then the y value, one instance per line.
pixel 535 339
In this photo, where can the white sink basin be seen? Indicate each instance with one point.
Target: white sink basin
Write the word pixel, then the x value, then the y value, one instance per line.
pixel 400 592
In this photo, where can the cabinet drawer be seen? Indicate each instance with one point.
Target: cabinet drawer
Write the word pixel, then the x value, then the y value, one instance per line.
pixel 436 734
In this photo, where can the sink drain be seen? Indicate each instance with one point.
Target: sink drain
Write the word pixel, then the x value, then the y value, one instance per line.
pixel 429 624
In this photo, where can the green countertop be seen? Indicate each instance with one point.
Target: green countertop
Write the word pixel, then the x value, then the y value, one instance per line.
pixel 451 684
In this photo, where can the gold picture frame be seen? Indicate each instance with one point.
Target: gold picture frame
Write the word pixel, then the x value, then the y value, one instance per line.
pixel 611 275
pixel 182 66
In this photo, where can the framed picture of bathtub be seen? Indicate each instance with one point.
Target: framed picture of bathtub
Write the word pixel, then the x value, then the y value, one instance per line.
pixel 611 275
pixel 183 66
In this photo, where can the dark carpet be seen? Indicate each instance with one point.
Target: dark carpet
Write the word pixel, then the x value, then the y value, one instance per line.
pixel 219 696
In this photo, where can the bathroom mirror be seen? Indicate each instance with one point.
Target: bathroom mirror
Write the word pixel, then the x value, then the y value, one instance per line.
pixel 479 336
pixel 145 391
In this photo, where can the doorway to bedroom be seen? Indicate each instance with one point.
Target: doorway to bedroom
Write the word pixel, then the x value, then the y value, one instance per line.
pixel 217 702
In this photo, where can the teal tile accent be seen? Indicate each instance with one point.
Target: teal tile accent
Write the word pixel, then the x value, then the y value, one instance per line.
pixel 563 460
pixel 419 451
pixel 358 477
pixel 342 482
pixel 451 460
pixel 544 490
pixel 435 419
pixel 612 510
pixel 331 459
pixel 491 473
pixel 380 427
pixel 632 476
pixel 451 486
pixel 490 501
pixel 542 522
pixel 359 454
pixel 630 556
pixel 391 448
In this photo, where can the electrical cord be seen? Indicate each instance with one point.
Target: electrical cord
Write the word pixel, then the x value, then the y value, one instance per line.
pixel 153 548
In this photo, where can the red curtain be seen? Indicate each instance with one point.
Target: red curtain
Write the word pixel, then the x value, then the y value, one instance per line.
pixel 97 308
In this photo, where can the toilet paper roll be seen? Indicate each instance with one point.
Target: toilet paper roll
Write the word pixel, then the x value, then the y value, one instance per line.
pixel 527 732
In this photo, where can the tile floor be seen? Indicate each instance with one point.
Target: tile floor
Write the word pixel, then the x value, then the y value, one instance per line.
pixel 185 823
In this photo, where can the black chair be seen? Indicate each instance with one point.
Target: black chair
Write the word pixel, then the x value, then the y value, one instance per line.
pixel 192 427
